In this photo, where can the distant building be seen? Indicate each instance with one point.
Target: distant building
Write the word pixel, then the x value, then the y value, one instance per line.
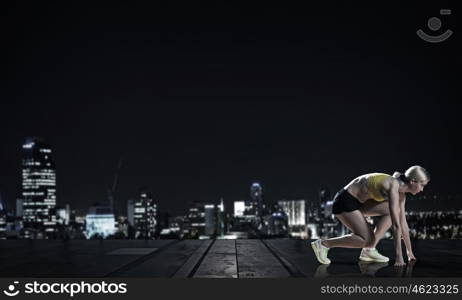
pixel 276 223
pixel 19 208
pixel 172 228
pixel 221 224
pixel 122 227
pixel 175 223
pixel 328 225
pixel 194 222
pixel 2 219
pixel 256 197
pixel 239 208
pixel 296 213
pixel 13 227
pixel 100 222
pixel 210 219
pixel 144 215
pixel 2 205
pixel 63 215
pixel 295 210
pixel 325 203
pixel 242 224
pixel 38 186
pixel 78 216
pixel 131 212
pixel 2 225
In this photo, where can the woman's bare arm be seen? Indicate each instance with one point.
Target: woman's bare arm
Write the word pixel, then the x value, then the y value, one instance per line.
pixel 405 230
pixel 395 220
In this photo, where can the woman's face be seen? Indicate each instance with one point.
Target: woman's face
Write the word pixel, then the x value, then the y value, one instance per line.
pixel 416 186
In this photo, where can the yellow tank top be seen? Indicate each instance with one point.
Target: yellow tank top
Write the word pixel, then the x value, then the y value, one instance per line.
pixel 375 184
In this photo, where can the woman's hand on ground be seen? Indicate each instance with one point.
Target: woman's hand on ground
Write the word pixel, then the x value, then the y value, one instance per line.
pixel 411 257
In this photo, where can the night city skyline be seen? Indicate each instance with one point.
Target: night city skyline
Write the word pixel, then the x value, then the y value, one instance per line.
pixel 199 106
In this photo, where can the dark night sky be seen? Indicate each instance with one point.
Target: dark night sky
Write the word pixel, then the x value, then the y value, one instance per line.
pixel 202 101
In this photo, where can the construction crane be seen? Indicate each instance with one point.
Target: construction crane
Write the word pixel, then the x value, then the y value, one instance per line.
pixel 111 191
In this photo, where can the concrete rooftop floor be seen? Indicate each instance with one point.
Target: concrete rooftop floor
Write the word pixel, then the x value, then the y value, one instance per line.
pixel 253 258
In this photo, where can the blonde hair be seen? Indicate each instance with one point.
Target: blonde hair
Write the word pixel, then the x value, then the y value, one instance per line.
pixel 416 173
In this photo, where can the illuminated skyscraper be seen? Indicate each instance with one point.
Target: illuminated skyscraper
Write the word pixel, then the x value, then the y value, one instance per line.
pixel 38 186
pixel 255 192
pixel 256 196
pixel 144 215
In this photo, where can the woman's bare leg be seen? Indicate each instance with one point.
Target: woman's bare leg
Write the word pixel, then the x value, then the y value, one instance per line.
pixel 373 208
pixel 361 237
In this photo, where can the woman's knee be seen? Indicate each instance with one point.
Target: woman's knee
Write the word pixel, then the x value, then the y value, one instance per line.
pixel 368 240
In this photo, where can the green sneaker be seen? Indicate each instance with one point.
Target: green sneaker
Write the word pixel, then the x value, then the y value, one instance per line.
pixel 321 252
pixel 371 254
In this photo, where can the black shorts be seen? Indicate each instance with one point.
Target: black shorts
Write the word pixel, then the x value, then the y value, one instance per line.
pixel 345 202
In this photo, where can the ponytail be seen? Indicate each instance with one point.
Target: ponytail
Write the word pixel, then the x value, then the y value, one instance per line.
pixel 401 176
